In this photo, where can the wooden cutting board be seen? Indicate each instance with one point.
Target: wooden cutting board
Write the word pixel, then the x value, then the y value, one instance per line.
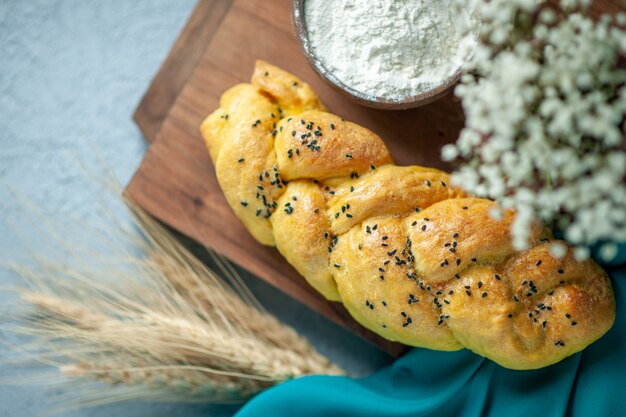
pixel 176 181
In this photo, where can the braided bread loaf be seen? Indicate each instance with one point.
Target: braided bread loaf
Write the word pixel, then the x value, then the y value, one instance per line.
pixel 411 257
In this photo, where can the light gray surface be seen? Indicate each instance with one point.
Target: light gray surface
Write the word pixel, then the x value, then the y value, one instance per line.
pixel 71 74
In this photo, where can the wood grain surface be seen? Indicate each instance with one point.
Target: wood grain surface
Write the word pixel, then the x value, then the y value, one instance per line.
pixel 179 64
pixel 176 181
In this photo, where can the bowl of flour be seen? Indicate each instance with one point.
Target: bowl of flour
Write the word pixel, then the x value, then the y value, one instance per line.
pixel 388 54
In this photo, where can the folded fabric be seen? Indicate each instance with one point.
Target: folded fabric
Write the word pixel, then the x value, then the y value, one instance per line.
pixel 461 384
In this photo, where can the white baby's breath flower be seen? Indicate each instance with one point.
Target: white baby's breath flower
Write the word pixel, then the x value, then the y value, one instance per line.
pixel 449 152
pixel 581 253
pixel 545 104
pixel 558 249
pixel 495 213
pixel 608 251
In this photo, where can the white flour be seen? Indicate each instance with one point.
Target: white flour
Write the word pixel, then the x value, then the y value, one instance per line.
pixel 389 49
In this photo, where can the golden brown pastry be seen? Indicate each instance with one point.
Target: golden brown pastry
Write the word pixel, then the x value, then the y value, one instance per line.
pixel 411 257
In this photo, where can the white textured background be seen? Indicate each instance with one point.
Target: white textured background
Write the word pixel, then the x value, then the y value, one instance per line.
pixel 71 74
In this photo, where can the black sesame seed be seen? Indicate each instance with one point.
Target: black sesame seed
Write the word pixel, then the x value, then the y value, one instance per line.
pixel 510 315
pixel 574 323
pixel 484 294
pixel 244 203
pixel 568 315
pixel 497 277
pixel 241 160
pixel 538 262
pixel 560 271
pixel 480 284
pixel 424 227
pixel 337 265
pixel 455 235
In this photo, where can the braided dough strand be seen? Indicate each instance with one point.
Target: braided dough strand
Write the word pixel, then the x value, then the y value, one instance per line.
pixel 410 256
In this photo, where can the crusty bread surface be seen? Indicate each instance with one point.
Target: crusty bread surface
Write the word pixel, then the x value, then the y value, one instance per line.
pixel 411 257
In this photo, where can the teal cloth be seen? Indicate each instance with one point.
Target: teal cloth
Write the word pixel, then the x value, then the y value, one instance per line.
pixel 461 384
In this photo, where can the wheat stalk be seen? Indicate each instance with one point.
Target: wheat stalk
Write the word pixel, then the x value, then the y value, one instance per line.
pixel 166 328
